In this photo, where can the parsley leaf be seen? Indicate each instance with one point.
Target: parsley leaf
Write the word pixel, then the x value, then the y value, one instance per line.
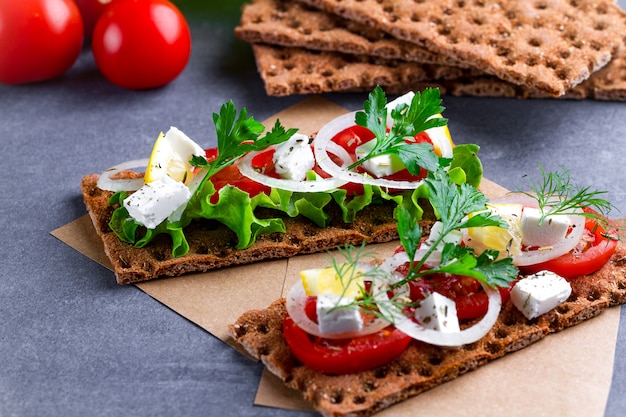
pixel 237 136
pixel 452 204
pixel 421 115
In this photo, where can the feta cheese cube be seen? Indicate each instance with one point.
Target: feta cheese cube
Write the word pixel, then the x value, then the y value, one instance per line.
pixel 438 312
pixel 552 230
pixel 335 315
pixel 539 293
pixel 378 166
pixel 294 158
pixel 156 200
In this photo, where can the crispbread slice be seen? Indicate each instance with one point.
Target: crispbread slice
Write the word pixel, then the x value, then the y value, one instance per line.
pixel 288 71
pixel 212 245
pixel 422 366
pixel 549 46
pixel 289 23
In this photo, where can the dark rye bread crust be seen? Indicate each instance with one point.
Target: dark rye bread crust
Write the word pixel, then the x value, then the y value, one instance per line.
pixel 212 245
pixel 422 366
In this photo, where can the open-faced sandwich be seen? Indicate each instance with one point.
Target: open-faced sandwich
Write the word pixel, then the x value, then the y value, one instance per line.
pixel 487 278
pixel 260 195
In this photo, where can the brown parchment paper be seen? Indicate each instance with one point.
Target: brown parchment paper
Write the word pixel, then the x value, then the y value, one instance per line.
pixel 565 374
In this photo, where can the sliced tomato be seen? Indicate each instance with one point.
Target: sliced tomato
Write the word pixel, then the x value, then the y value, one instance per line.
pixel 344 356
pixel 594 250
pixel 469 296
pixel 230 175
pixel 353 137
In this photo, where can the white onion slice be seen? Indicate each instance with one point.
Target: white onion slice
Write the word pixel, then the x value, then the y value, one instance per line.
pixel 107 183
pixel 321 145
pixel 296 302
pixel 532 257
pixel 318 185
pixel 435 337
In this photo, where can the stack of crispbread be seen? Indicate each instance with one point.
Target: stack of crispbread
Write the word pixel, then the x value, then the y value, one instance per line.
pixel 503 48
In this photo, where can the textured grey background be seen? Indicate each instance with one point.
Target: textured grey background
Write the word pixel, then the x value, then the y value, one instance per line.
pixel 73 343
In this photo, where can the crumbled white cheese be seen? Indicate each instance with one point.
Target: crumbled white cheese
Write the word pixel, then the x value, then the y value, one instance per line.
pixel 335 314
pixel 552 230
pixel 294 158
pixel 156 200
pixel 539 293
pixel 438 312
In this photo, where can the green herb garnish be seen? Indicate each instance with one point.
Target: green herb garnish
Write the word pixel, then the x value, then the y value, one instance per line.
pixel 558 195
pixel 238 136
pixel 409 121
pixel 452 204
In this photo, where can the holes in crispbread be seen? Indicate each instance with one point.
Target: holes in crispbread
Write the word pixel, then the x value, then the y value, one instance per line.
pixel 358 399
pixel 369 386
pixel 336 397
pixel 501 333
pixel 381 372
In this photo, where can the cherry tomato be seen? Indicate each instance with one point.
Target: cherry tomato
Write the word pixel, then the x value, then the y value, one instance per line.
pixel 231 175
pixel 343 356
pixel 90 10
pixel 39 39
pixel 595 249
pixel 140 44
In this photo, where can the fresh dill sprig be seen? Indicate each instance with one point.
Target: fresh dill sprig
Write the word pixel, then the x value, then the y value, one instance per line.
pixel 557 194
pixel 368 301
pixel 408 122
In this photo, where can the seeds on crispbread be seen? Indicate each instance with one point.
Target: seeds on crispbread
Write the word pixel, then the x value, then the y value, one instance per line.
pixel 545 46
pixel 422 366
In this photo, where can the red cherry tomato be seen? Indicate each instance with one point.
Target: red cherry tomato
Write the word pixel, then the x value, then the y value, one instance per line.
pixel 595 249
pixel 140 44
pixel 343 356
pixel 39 39
pixel 90 10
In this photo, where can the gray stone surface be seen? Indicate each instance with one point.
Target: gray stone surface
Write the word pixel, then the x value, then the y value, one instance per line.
pixel 73 343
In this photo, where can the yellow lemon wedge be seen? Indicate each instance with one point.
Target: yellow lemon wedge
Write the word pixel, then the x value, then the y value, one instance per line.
pixel 326 281
pixel 442 140
pixel 171 155
pixel 506 240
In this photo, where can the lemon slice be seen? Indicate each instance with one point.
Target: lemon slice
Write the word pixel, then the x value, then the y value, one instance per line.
pixel 442 140
pixel 326 281
pixel 506 240
pixel 171 155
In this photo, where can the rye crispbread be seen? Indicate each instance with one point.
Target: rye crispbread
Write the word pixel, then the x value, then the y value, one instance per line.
pixel 212 245
pixel 422 366
pixel 292 24
pixel 546 46
pixel 287 71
